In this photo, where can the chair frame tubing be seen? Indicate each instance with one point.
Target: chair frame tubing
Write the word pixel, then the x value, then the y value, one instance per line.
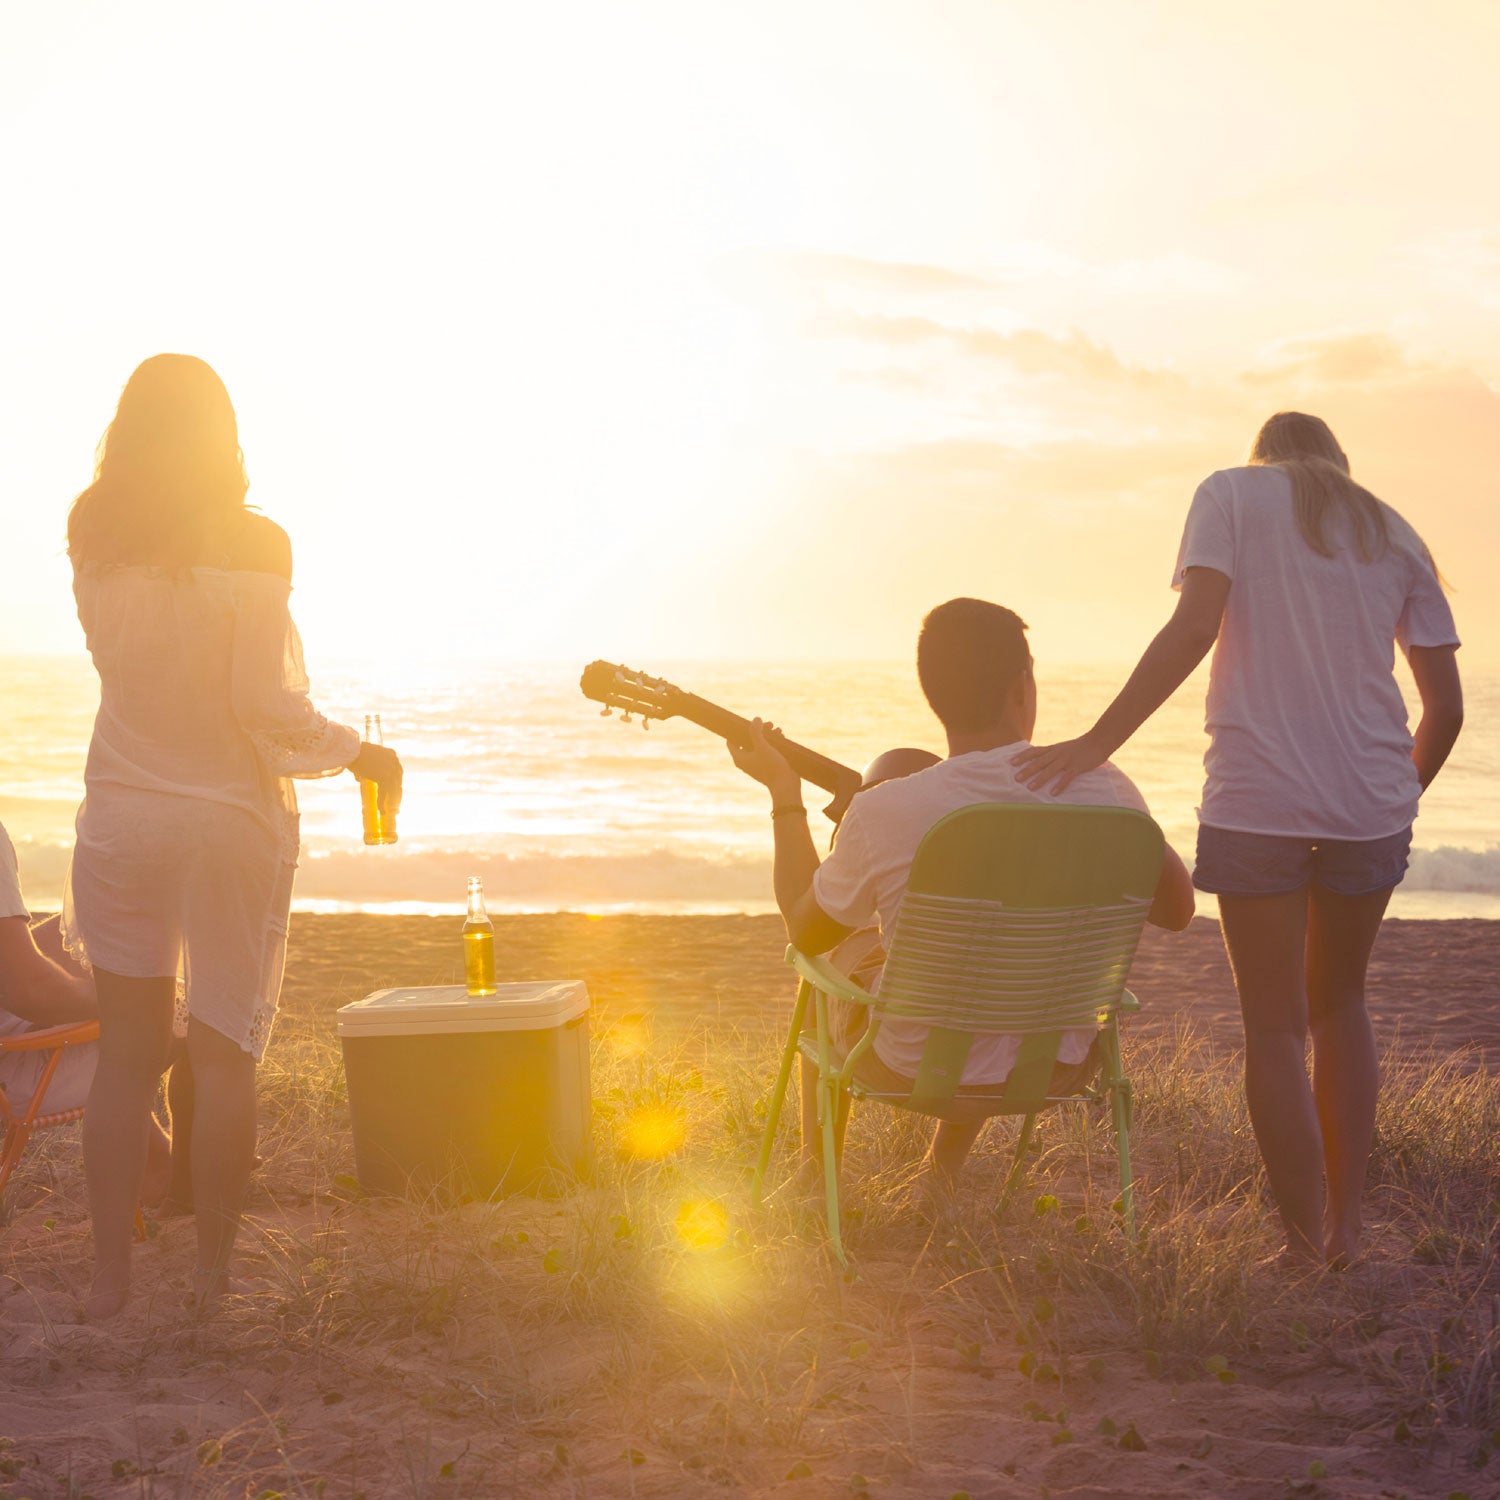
pixel 833 1082
pixel 19 1128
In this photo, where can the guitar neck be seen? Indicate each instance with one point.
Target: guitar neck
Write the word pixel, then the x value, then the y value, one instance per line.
pixel 831 775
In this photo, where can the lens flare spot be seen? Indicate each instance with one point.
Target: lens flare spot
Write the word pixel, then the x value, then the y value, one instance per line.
pixel 630 1036
pixel 702 1224
pixel 653 1131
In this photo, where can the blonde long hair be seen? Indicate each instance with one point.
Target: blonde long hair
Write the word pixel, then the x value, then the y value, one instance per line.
pixel 1307 450
pixel 169 474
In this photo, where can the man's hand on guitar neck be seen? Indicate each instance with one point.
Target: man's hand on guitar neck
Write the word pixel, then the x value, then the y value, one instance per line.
pixel 808 927
pixel 763 762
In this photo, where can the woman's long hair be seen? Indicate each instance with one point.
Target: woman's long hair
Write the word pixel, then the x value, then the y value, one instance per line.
pixel 169 476
pixel 1307 450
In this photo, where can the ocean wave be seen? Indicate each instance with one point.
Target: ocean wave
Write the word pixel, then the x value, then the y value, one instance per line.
pixel 537 880
pixel 439 876
pixel 545 880
pixel 1448 868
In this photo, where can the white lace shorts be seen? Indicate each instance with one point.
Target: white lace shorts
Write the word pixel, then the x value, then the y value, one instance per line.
pixel 171 886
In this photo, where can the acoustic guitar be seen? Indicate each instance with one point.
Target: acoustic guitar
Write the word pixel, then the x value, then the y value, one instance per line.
pixel 635 692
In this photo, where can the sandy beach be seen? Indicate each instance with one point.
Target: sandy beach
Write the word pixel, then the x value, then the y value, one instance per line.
pixel 589 1345
pixel 1431 983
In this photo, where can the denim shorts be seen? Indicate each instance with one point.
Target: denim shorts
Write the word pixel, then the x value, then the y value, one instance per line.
pixel 1265 864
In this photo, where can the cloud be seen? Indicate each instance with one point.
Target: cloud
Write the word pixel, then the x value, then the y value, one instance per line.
pixel 1029 351
pixel 861 273
pixel 1333 359
pixel 1465 263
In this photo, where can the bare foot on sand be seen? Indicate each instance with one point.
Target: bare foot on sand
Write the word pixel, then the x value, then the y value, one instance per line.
pixel 1299 1265
pixel 211 1287
pixel 1342 1244
pixel 109 1293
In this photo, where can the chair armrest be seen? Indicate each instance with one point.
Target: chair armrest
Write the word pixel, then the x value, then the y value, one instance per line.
pixel 822 975
pixel 51 1037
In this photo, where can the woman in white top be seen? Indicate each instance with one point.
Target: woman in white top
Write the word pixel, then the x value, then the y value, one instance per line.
pixel 1306 582
pixel 187 838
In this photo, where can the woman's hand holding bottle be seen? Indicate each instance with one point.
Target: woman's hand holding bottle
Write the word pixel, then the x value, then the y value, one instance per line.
pixel 378 768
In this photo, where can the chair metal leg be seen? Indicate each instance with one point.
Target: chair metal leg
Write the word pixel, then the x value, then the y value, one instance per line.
pixel 1121 1102
pixel 1018 1163
pixel 828 1114
pixel 828 1110
pixel 778 1094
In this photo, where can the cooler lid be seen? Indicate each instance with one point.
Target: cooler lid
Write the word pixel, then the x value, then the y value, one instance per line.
pixel 450 1009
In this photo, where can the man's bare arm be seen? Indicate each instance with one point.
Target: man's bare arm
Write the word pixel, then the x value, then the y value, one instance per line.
pixel 1172 904
pixel 32 986
pixel 808 926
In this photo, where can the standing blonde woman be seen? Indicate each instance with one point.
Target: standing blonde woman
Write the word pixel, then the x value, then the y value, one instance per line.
pixel 187 837
pixel 1307 583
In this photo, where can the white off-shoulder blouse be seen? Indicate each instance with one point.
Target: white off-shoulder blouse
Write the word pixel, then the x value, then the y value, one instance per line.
pixel 203 705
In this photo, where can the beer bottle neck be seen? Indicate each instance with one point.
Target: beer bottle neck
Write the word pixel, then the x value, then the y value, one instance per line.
pixel 476 899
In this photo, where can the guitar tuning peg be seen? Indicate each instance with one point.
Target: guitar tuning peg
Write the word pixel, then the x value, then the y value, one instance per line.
pixel 606 712
pixel 645 723
pixel 625 717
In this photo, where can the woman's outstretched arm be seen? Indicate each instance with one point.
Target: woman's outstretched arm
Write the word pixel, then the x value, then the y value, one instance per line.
pixel 1435 669
pixel 1178 647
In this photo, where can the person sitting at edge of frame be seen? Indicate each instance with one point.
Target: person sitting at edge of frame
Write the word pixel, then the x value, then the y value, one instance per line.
pixel 975 669
pixel 42 987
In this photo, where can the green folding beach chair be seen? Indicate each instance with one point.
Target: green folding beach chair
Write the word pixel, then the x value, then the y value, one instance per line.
pixel 1017 918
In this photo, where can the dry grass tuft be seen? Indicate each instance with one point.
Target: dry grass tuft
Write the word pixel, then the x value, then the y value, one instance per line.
pixel 647 1333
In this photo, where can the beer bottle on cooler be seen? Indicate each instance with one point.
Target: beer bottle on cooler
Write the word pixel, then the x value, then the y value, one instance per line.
pixel 379 816
pixel 479 943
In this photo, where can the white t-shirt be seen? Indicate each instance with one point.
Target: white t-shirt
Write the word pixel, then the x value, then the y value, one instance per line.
pixel 1308 728
pixel 12 904
pixel 865 875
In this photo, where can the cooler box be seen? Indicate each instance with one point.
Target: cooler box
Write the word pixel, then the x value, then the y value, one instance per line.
pixel 475 1095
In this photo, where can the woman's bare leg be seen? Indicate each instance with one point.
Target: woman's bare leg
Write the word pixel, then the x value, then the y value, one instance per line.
pixel 1346 1070
pixel 180 1099
pixel 1266 939
pixel 223 1147
pixel 135 1031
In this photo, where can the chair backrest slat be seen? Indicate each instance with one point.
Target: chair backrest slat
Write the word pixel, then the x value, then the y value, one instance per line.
pixel 1021 918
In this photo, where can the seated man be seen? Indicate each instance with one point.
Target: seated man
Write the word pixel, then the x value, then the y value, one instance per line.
pixel 976 673
pixel 41 987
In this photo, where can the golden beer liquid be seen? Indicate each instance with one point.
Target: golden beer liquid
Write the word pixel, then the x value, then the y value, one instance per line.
pixel 479 960
pixel 379 829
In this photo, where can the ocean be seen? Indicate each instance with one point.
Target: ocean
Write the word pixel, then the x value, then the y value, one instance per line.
pixel 513 776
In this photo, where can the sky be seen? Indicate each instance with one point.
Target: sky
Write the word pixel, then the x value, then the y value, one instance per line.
pixel 670 329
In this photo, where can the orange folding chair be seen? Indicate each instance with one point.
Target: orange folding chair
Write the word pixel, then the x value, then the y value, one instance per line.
pixel 20 1127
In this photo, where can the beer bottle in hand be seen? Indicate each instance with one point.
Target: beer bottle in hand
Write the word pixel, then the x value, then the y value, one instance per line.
pixel 379 815
pixel 479 943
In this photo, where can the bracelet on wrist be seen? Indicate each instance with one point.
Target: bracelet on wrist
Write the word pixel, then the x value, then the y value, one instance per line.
pixel 788 810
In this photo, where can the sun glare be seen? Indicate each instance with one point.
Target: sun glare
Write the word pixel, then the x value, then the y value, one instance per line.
pixel 702 1224
pixel 653 1132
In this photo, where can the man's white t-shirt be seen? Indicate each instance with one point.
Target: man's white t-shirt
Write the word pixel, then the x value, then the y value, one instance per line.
pixel 865 874
pixel 1308 728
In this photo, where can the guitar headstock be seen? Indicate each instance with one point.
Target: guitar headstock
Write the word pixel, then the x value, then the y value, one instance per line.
pixel 615 686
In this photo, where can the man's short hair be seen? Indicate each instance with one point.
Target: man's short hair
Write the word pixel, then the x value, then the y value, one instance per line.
pixel 969 654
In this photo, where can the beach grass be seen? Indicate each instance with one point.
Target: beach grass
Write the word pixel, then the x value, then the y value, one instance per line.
pixel 646 1332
